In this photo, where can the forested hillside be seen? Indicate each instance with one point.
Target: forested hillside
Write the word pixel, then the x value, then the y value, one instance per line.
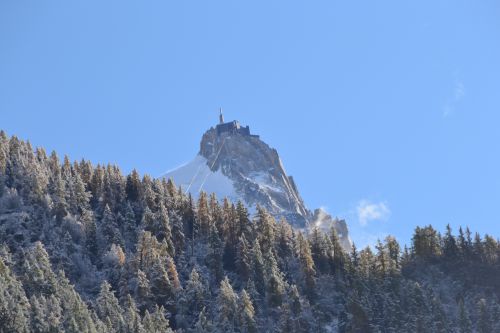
pixel 84 248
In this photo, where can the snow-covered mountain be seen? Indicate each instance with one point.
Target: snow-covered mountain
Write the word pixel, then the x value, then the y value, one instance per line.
pixel 236 164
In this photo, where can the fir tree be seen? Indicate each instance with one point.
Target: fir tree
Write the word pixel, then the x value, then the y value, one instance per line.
pixel 307 265
pixel 14 306
pixel 203 325
pixel 450 248
pixel 109 229
pixel 275 286
pixel 164 232
pixel 426 242
pixel 131 316
pixel 195 295
pixel 90 229
pixel 203 215
pixel 142 292
pixel 109 309
pixel 247 313
pixel 38 275
pixel 214 257
pixel 258 269
pixel 484 320
pixel 244 258
pixel 464 323
pixel 227 307
pixel 156 322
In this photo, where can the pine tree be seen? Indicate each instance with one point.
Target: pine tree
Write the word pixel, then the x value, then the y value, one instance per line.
pixel 477 248
pixel 142 292
pixel 439 320
pixel 247 313
pixel 131 316
pixel 284 246
pixel 258 269
pixel 178 237
pixel 82 196
pixel 195 294
pixel 46 314
pixel 307 265
pixel 89 226
pixel 321 251
pixel 426 242
pixel 203 325
pixel 266 229
pixel 216 211
pixel 161 287
pixel 109 309
pixel 128 227
pixel 172 272
pixel 148 194
pixel 156 322
pixel 244 223
pixel 243 258
pixel 230 235
pixel 190 221
pixel 109 229
pixel 450 248
pixel 227 307
pixel 484 320
pixel 464 323
pixel 76 315
pixel 215 253
pixel 60 206
pixel 417 313
pixel 381 259
pixel 354 258
pixel 275 286
pixel 203 215
pixel 133 187
pixel 164 230
pixel 148 222
pixel 14 306
pixel 393 252
pixel 38 275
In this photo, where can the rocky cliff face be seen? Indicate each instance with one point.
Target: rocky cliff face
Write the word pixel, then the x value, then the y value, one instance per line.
pixel 243 167
pixel 257 173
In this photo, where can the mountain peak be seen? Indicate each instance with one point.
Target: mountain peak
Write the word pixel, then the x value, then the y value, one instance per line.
pixel 236 164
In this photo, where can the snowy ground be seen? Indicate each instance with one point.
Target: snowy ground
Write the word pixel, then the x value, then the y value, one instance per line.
pixel 196 176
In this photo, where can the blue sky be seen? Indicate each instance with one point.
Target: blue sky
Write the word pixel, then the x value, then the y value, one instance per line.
pixel 385 112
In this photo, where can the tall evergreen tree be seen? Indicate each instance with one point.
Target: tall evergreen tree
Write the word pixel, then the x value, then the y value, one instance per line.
pixel 275 286
pixel 227 307
pixel 131 316
pixel 464 323
pixel 244 258
pixel 307 265
pixel 156 322
pixel 484 320
pixel 258 269
pixel 203 215
pixel 109 229
pixel 214 257
pixel 247 322
pixel 109 309
pixel 14 306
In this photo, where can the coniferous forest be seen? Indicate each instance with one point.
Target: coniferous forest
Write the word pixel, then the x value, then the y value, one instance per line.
pixel 85 248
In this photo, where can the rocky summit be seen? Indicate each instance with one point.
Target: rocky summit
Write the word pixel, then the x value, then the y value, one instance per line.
pixel 236 164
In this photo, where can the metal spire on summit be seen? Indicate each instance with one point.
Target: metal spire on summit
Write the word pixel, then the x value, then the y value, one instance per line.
pixel 221 116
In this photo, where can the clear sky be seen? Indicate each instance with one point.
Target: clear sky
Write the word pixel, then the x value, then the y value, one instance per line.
pixel 385 112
